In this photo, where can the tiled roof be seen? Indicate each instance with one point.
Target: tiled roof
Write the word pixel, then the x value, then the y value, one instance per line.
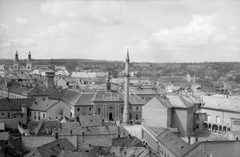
pixel 127 142
pixel 128 151
pixel 46 127
pixel 102 95
pixel 91 130
pixel 136 100
pixel 174 143
pixel 43 104
pixel 2 67
pixel 70 79
pixel 164 102
pixel 77 98
pixel 54 148
pixel 90 120
pixel 36 91
pixel 220 103
pixel 85 99
pixel 14 104
pixel 141 90
pixel 71 96
pixel 66 153
pixel 178 101
pixel 56 93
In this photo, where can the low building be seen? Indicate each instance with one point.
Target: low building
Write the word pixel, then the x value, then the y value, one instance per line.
pixel 44 108
pixel 223 114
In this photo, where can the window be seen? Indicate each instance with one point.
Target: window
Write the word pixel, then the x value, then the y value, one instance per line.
pixel 99 111
pixel 136 116
pixel 236 123
pixel 78 109
pixel 44 115
pixel 197 126
pixel 130 116
pixel 130 107
pixel 90 109
pixel 121 110
pixel 35 115
pixel 197 117
pixel 38 115
pixel 136 108
pixel 3 114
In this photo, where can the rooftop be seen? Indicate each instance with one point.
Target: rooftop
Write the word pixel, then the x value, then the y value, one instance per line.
pixel 221 103
pixel 14 104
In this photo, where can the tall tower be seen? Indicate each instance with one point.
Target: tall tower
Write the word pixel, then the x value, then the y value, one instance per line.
pixel 50 82
pixel 126 99
pixel 29 62
pixel 16 62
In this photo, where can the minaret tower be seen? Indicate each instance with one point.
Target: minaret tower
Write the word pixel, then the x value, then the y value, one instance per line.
pixel 16 62
pixel 29 62
pixel 126 99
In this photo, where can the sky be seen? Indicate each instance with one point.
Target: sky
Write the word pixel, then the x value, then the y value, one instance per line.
pixel 153 31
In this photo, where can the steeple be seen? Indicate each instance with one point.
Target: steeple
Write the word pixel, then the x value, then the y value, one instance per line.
pixel 16 56
pixel 29 56
pixel 108 84
pixel 126 92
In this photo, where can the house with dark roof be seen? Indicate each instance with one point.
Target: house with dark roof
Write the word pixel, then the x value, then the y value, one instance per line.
pixel 52 149
pixel 44 108
pixel 14 110
pixel 67 82
pixel 147 92
pixel 80 103
pixel 168 144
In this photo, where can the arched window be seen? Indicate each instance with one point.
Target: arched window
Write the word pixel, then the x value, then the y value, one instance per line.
pixel 99 111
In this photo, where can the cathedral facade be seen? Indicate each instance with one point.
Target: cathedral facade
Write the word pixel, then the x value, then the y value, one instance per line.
pixel 18 67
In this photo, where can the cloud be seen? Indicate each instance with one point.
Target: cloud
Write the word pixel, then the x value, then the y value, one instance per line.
pixel 21 21
pixel 101 12
pixel 199 38
pixel 20 43
pixel 62 29
pixel 4 34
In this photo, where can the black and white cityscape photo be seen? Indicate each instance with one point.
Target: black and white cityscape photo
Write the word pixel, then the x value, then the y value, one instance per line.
pixel 119 78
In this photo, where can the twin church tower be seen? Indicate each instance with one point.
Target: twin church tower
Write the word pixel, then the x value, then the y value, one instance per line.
pixel 18 66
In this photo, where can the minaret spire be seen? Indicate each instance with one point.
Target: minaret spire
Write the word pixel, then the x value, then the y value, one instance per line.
pixel 29 56
pixel 126 92
pixel 16 56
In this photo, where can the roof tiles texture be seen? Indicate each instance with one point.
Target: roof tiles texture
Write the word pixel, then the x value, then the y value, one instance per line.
pixel 14 104
pixel 220 103
pixel 102 95
pixel 174 143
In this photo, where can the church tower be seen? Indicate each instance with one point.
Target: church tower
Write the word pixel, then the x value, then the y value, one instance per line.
pixel 29 62
pixel 108 85
pixel 126 99
pixel 16 62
